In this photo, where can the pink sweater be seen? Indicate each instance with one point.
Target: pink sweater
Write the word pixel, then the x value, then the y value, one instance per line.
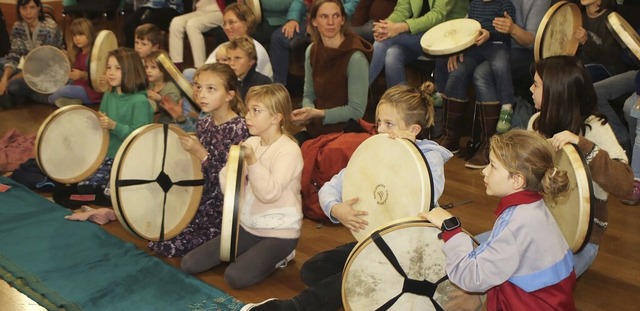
pixel 272 205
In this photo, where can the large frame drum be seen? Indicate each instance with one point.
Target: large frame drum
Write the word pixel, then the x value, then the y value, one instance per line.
pixel 391 178
pixel 574 211
pixel 401 266
pixel 46 69
pixel 624 33
pixel 156 185
pixel 105 42
pixel 70 144
pixel 555 35
pixel 233 199
pixel 450 37
pixel 183 85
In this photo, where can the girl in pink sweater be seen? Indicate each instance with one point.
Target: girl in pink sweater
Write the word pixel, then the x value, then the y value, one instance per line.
pixel 271 215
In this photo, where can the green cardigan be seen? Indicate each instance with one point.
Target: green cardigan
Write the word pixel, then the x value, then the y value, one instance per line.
pixel 441 10
pixel 129 111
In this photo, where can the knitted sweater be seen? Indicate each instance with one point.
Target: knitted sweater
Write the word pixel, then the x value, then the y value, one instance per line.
pixel 129 111
pixel 272 203
pixel 485 12
pixel 23 41
pixel 336 81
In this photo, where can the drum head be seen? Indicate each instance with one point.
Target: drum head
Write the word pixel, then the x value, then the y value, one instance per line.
pixel 71 145
pixel 574 211
pixel 555 35
pixel 624 33
pixel 255 7
pixel 371 281
pixel 233 198
pixel 105 42
pixel 392 179
pixel 46 69
pixel 450 37
pixel 178 79
pixel 156 185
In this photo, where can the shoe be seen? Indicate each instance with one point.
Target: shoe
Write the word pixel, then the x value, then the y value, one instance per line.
pixel 504 121
pixel 480 159
pixel 285 262
pixel 271 304
pixel 62 102
pixel 634 198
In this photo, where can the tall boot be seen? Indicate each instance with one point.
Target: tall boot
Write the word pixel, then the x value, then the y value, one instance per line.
pixel 489 113
pixel 453 114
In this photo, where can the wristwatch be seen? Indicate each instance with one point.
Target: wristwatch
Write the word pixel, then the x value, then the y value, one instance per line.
pixel 450 224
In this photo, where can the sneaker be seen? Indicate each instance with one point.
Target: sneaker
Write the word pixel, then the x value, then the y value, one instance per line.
pixel 634 198
pixel 284 262
pixel 504 121
pixel 271 304
pixel 62 102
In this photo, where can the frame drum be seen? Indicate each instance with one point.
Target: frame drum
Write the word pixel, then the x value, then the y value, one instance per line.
pixel 233 199
pixel 255 7
pixel 401 266
pixel 104 43
pixel 574 211
pixel 392 179
pixel 71 145
pixel 46 69
pixel 450 37
pixel 555 35
pixel 624 33
pixel 156 185
pixel 183 85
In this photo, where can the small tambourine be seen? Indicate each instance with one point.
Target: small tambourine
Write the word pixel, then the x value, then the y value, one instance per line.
pixel 233 198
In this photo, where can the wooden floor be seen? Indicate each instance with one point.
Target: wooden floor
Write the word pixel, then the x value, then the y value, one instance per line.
pixel 612 283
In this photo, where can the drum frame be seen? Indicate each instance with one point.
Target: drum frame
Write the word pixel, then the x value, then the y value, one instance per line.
pixel 465 24
pixel 395 225
pixel 629 38
pixel 572 43
pixel 170 70
pixel 25 68
pixel 116 183
pixel 584 216
pixel 96 163
pixel 362 234
pixel 105 42
pixel 233 199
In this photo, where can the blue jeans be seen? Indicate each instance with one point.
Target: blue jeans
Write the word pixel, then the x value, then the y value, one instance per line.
pixel 455 83
pixel 520 61
pixel 632 115
pixel 612 88
pixel 365 31
pixel 70 91
pixel 279 52
pixel 393 54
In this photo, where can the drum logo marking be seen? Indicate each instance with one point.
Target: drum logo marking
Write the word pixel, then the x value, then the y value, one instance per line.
pixel 450 33
pixel 380 194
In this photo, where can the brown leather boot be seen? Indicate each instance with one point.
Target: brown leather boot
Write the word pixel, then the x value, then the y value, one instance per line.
pixel 453 114
pixel 489 113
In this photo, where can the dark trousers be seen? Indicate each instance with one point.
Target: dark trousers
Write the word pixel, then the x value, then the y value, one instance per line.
pixel 160 17
pixel 323 275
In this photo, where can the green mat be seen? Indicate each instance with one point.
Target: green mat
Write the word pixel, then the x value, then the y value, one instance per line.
pixel 72 265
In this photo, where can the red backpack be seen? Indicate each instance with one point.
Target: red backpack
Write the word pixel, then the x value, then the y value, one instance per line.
pixel 324 157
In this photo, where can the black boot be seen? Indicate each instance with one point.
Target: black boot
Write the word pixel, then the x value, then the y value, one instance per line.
pixel 489 113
